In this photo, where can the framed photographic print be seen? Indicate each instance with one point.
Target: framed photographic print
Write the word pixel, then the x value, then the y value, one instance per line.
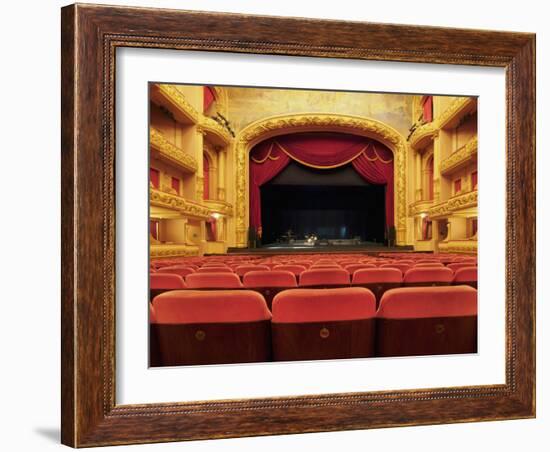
pixel 276 225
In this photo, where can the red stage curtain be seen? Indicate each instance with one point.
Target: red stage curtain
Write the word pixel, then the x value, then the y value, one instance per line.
pixel 372 160
pixel 427 108
pixel 209 97
pixel 375 165
pixel 206 176
pixel 266 161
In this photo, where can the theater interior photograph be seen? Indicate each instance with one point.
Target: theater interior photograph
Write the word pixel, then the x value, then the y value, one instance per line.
pixel 296 225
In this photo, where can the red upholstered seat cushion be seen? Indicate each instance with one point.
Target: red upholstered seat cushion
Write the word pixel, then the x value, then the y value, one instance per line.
pixel 166 281
pixel 292 268
pixel 243 269
pixel 428 274
pixel 273 278
pixel 377 275
pixel 324 276
pixel 425 302
pixel 196 306
pixel 214 270
pixel 178 270
pixel 213 281
pixel 429 264
pixel 465 274
pixel 427 261
pixel 319 305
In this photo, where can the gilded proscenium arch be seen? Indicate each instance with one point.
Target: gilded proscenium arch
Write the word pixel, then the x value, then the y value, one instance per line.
pixel 309 122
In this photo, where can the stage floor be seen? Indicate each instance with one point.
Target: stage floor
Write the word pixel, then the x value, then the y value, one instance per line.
pixel 363 247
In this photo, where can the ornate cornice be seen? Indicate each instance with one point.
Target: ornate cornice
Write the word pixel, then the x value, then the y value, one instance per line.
pixel 463 201
pixel 439 210
pixel 171 98
pixel 219 206
pixel 167 200
pixel 459 246
pixel 465 155
pixel 422 134
pixel 214 131
pixel 419 207
pixel 455 109
pixel 171 153
pixel 458 202
pixel 157 251
pixel 278 125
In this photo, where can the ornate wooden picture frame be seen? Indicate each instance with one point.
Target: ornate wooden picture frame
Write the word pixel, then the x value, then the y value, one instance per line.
pixel 90 37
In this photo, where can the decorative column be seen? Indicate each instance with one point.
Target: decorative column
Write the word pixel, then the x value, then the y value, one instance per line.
pixel 221 174
pixel 418 181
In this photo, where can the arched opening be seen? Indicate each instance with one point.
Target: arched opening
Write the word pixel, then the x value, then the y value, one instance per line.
pixel 333 185
pixel 305 122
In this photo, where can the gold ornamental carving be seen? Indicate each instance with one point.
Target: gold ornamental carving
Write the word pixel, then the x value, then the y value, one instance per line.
pixel 158 251
pixel 465 155
pixel 171 95
pixel 429 130
pixel 459 202
pixel 279 125
pixel 170 201
pixel 456 108
pixel 214 131
pixel 171 153
pixel 463 201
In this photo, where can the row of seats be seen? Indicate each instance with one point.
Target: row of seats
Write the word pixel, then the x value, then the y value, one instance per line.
pixel 270 282
pixel 205 327
pixel 298 269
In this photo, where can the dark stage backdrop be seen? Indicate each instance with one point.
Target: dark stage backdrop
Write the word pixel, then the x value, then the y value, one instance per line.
pixel 333 204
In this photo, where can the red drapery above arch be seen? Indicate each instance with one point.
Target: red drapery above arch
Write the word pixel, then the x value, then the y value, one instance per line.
pixel 322 150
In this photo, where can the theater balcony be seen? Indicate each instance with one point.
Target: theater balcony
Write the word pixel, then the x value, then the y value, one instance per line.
pixel 214 132
pixel 461 158
pixel 178 204
pixel 167 152
pixel 172 100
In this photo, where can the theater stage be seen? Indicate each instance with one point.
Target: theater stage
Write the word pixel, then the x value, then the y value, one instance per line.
pixel 300 248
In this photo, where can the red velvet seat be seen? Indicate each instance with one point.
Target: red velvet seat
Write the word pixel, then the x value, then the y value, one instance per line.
pixel 428 261
pixel 154 353
pixel 221 280
pixel 241 270
pixel 429 264
pixel 428 276
pixel 325 277
pixel 433 320
pixel 398 265
pixel 456 265
pixel 214 270
pixel 295 269
pixel 178 270
pixel 466 276
pixel 207 327
pixel 162 282
pixel 378 280
pixel 351 269
pixel 269 283
pixel 325 265
pixel 323 324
